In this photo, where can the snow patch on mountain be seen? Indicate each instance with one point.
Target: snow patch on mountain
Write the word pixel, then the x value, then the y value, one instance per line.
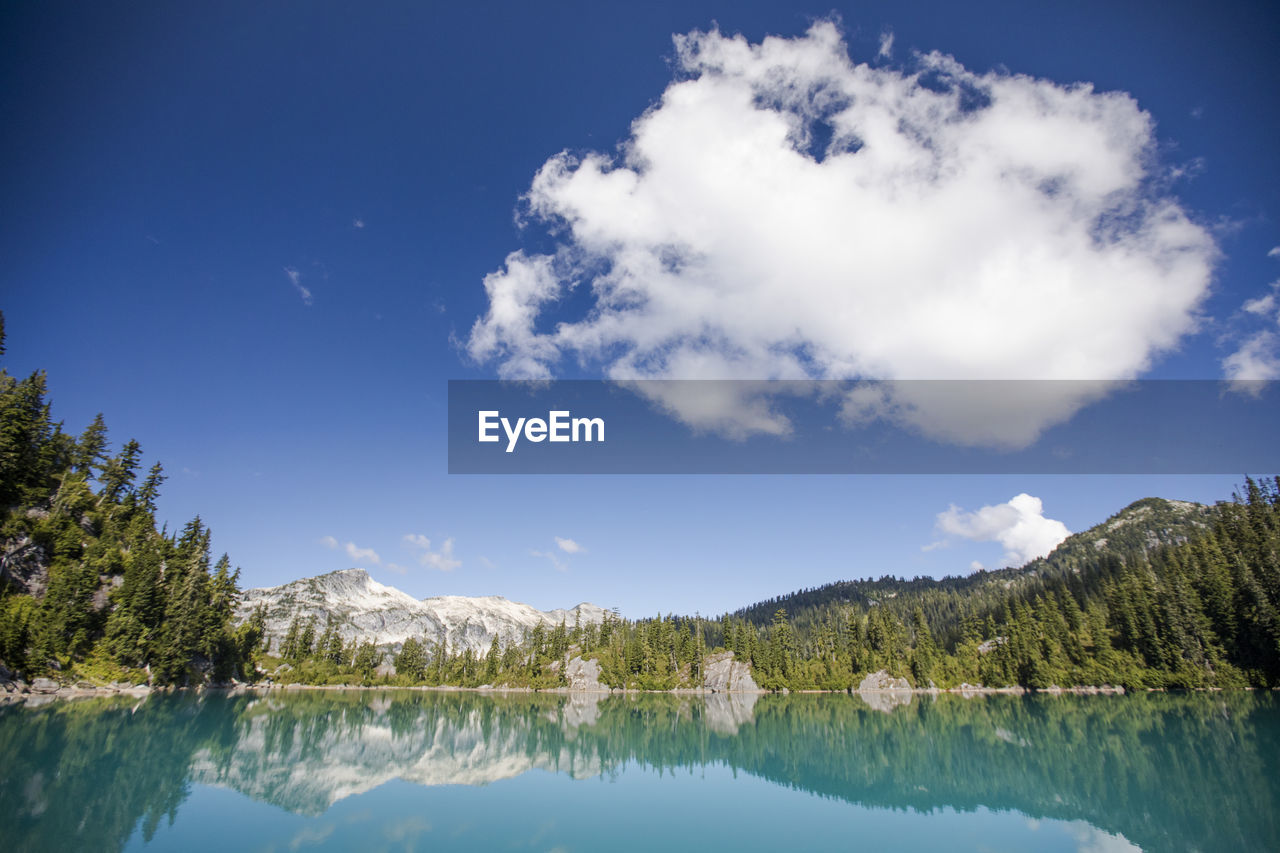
pixel 363 609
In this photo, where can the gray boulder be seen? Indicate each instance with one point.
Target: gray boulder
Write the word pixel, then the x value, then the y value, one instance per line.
pixel 44 685
pixel 880 681
pixel 884 693
pixel 723 674
pixel 584 675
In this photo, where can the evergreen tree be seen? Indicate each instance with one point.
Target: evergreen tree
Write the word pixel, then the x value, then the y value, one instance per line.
pixel 412 660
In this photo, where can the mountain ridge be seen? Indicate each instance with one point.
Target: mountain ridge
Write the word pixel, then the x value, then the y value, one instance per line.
pixel 1139 527
pixel 363 609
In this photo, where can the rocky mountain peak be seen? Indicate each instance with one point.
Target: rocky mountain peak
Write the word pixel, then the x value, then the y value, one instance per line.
pixel 362 609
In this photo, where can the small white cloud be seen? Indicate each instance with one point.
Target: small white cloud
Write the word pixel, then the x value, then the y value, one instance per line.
pixel 569 546
pixel 417 540
pixel 886 45
pixel 551 556
pixel 1274 253
pixel 486 562
pixel 295 277
pixel 355 552
pixel 397 568
pixel 976 566
pixel 357 223
pixel 1257 354
pixel 1019 525
pixel 366 555
pixel 1258 358
pixel 441 560
pixel 933 546
pixel 1263 305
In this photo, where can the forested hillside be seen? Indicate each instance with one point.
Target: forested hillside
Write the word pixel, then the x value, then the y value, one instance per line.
pixel 1164 594
pixel 89 588
pixel 1130 533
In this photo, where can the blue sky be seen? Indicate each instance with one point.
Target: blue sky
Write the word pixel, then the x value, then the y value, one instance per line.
pixel 257 239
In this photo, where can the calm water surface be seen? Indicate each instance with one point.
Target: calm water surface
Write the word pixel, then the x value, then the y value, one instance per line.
pixel 414 770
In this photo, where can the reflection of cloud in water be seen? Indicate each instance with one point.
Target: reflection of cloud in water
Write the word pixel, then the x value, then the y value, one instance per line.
pixel 404 830
pixel 1094 840
pixel 310 835
pixel 1009 737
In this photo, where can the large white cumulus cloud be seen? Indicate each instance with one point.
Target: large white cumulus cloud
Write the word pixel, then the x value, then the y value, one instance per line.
pixel 782 212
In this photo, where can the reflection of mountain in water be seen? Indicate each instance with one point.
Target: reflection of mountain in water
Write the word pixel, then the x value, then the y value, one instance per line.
pixel 1169 772
pixel 306 755
pixel 306 752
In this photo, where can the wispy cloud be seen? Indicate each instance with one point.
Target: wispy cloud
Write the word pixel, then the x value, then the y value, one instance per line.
pixel 357 223
pixel 553 558
pixel 440 560
pixel 569 546
pixel 355 552
pixel 886 45
pixel 1019 525
pixel 295 277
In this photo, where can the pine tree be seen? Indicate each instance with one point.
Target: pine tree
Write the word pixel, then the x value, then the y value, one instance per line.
pixel 412 660
pixel 116 480
pixel 150 490
pixel 90 447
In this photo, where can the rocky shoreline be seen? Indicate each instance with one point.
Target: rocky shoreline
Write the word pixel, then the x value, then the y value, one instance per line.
pixel 879 689
pixel 723 675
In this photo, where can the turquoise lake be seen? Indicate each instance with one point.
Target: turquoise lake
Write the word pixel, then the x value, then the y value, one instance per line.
pixel 417 770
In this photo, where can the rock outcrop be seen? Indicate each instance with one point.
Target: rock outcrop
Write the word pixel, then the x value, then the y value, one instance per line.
pixel 883 692
pixel 584 675
pixel 10 683
pixel 882 680
pixel 24 567
pixel 723 674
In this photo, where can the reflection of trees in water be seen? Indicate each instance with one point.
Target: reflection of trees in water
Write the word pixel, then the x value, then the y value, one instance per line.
pixel 81 775
pixel 1166 771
